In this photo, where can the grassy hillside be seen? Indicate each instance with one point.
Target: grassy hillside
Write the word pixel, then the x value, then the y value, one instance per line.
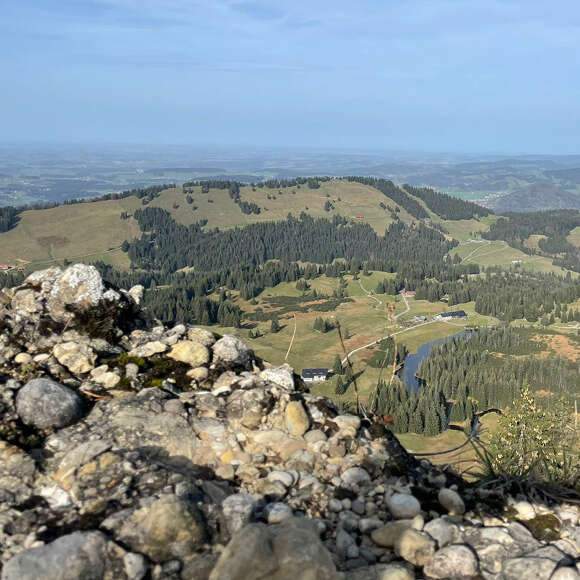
pixel 95 231
pixel 363 320
pixel 87 231
pixel 216 206
pixel 496 253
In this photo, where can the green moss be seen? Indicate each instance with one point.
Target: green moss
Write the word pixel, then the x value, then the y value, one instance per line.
pixel 99 321
pixel 124 384
pixel 545 527
pixel 125 359
pixel 155 383
pixel 166 368
pixel 510 514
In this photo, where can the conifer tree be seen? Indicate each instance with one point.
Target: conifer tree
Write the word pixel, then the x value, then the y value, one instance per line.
pixel 337 368
pixel 340 387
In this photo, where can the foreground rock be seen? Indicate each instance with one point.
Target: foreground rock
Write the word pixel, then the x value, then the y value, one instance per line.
pixel 78 555
pixel 132 450
pixel 45 403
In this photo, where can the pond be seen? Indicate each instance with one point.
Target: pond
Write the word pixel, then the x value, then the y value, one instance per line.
pixel 412 362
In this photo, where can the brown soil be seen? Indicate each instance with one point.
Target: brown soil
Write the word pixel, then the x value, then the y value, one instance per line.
pixel 561 345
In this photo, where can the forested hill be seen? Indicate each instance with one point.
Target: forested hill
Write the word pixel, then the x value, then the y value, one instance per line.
pixel 551 229
pixel 446 206
pixel 171 246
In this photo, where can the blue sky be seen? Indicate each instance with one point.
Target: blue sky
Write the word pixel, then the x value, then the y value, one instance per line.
pixel 423 75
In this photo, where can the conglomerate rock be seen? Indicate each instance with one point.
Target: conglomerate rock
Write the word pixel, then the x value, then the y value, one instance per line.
pixel 131 450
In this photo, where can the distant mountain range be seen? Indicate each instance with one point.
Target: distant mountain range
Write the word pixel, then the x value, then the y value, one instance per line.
pixel 534 197
pixel 504 183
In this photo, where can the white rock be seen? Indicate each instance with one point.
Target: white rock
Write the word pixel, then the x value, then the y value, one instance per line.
pixel 441 530
pixel 77 358
pixel 348 425
pixel 451 501
pixel 55 496
pixel 149 349
pixel 403 505
pixel 231 350
pixel 525 510
pixel 278 512
pixel 282 376
pixel 355 476
pixel 415 547
pixel 136 292
pixel 453 562
pixel 285 478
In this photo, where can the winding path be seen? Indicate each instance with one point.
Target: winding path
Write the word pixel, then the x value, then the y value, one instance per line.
pixel 369 293
pixel 292 341
pixel 407 308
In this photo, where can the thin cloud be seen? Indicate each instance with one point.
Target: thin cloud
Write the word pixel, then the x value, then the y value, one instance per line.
pixel 258 10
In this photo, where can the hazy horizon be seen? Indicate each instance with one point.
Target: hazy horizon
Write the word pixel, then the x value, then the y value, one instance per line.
pixel 438 76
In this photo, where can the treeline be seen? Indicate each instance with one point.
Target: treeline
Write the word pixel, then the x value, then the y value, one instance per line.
pixel 447 206
pixel 178 304
pixel 233 188
pixel 181 297
pixel 504 294
pixel 399 196
pixel 170 246
pixel 423 412
pixel 516 228
pixel 470 375
pixel 9 216
pixel 310 182
pixel 464 375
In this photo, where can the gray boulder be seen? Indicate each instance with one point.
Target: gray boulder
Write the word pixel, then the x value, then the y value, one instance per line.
pixel 285 551
pixel 455 561
pixel 77 555
pixel 168 528
pixel 231 351
pixel 45 403
pixel 79 285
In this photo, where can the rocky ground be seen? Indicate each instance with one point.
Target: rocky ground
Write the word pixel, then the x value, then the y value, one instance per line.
pixel 130 450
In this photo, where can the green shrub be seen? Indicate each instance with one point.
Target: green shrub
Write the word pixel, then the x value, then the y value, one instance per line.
pixel 535 443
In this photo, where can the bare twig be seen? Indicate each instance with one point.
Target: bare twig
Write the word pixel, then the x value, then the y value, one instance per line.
pixel 350 366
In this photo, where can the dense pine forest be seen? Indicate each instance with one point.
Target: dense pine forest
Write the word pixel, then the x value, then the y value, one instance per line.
pixel 446 206
pixel 388 188
pixel 487 368
pixel 8 218
pixel 474 372
pixel 555 225
pixel 170 246
pixel 508 295
pixel 189 271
